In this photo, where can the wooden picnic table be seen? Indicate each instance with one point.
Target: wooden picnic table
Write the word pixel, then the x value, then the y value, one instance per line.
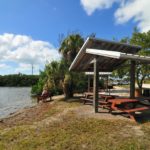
pixel 112 103
pixel 89 97
pixel 127 106
pixel 105 96
pixel 88 94
pixel 118 101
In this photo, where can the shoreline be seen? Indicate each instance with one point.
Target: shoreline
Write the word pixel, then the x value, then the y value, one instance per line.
pixel 22 110
pixel 17 112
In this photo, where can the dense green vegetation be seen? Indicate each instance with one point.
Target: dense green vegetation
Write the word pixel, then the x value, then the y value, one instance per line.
pixel 56 75
pixel 18 80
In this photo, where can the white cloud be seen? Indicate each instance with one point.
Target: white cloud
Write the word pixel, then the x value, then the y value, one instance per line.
pixel 91 5
pixel 135 9
pixel 138 10
pixel 4 66
pixel 22 49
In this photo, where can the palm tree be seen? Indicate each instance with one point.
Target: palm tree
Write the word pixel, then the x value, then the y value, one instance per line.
pixel 69 48
pixel 53 75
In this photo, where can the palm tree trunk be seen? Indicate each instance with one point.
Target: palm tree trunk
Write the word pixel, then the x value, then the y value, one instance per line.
pixel 68 91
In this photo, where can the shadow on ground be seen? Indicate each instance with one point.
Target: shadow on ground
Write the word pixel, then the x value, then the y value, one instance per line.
pixel 140 118
pixel 75 99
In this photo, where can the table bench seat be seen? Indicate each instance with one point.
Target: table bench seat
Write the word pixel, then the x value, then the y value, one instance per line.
pixel 86 100
pixel 135 109
pixel 131 112
pixel 115 103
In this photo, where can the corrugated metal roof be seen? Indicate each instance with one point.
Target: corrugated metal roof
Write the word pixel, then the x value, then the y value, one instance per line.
pixel 83 60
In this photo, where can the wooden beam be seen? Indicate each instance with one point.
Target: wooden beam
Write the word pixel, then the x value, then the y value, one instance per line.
pixel 87 62
pixel 132 79
pixel 89 79
pixel 95 84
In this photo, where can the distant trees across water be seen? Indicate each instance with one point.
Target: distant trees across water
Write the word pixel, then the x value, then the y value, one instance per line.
pixel 18 80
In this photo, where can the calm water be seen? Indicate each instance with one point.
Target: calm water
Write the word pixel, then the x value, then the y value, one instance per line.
pixel 13 99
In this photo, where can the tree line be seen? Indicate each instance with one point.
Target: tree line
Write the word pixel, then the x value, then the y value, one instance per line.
pixel 18 80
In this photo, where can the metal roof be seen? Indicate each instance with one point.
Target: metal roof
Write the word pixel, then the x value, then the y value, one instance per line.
pixel 83 60
pixel 118 55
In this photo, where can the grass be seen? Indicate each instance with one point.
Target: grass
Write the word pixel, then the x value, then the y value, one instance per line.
pixel 74 133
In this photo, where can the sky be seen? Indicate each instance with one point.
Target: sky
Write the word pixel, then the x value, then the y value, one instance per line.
pixel 30 29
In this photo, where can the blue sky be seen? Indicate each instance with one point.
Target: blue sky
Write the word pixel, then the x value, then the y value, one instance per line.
pixel 29 29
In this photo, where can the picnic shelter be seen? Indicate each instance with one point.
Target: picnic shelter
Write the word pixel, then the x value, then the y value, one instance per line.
pixel 98 55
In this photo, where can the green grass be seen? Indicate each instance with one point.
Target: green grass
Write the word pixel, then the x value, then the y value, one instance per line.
pixel 76 133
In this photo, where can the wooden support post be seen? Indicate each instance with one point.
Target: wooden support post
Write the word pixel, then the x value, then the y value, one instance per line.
pixel 132 79
pixel 89 83
pixel 95 85
pixel 108 87
pixel 106 83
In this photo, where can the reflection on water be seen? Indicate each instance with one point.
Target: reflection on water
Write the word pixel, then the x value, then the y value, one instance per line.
pixel 14 98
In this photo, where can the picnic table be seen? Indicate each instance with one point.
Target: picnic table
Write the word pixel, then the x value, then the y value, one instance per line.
pixel 128 106
pixel 112 103
pixel 88 97
pixel 88 94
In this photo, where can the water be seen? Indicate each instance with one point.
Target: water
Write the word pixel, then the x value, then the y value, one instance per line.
pixel 13 99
